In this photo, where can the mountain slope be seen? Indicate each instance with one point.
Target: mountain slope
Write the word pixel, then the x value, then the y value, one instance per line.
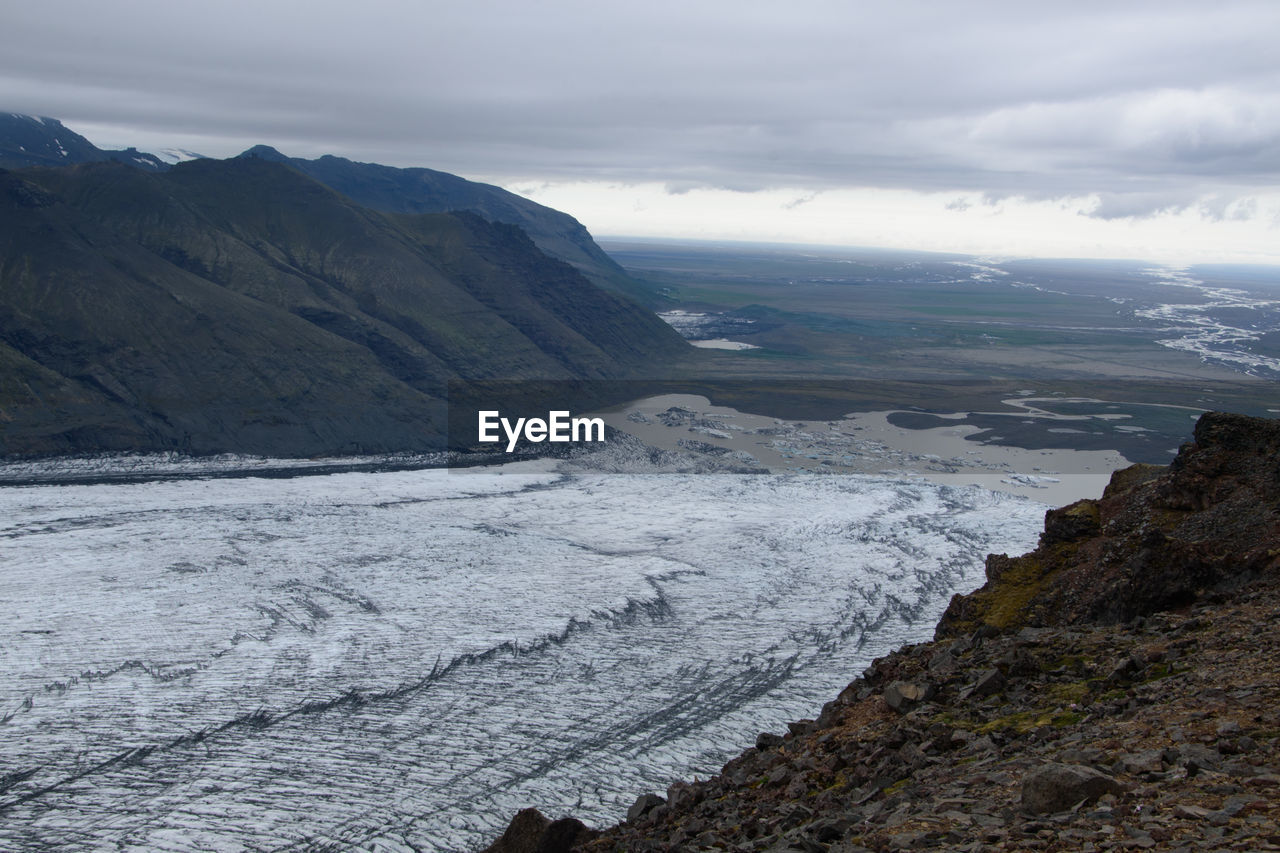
pixel 27 141
pixel 40 141
pixel 419 190
pixel 241 306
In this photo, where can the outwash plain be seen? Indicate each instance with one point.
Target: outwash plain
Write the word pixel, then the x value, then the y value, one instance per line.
pixel 1034 354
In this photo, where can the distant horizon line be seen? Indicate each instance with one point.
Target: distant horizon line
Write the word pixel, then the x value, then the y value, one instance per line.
pixel 855 248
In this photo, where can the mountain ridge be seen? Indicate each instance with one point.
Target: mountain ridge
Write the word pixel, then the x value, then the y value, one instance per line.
pixel 27 140
pixel 241 306
pixel 32 141
pixel 421 190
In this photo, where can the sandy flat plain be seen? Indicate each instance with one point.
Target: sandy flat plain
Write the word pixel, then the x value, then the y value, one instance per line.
pixel 867 443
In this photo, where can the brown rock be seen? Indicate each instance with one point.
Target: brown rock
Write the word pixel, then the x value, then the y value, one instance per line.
pixel 768 740
pixel 902 696
pixel 1058 787
pixel 1135 475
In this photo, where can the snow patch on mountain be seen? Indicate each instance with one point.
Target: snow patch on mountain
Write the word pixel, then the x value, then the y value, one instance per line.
pixel 173 156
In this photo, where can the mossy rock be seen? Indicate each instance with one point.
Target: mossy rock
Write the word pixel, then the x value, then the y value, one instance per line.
pixel 1013 584
pixel 1076 691
pixel 1071 523
pixel 1025 721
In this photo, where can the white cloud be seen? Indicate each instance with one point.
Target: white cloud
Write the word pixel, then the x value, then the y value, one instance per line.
pixel 1146 107
pixel 971 223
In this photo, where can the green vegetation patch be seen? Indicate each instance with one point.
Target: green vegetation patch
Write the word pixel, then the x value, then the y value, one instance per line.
pixel 1025 721
pixel 1023 581
pixel 1076 691
pixel 897 787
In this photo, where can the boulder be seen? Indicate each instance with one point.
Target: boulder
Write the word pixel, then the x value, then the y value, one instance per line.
pixel 800 728
pixel 990 682
pixel 1146 761
pixel 643 805
pixel 1058 787
pixel 1069 523
pixel 1162 539
pixel 903 696
pixel 530 831
pixel 768 740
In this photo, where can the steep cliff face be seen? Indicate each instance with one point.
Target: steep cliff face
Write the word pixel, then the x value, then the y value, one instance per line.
pixel 1156 539
pixel 1035 721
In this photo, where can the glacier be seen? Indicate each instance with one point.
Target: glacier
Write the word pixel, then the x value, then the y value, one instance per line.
pixel 401 660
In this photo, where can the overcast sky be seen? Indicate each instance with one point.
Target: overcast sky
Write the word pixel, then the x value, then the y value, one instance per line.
pixel 1016 128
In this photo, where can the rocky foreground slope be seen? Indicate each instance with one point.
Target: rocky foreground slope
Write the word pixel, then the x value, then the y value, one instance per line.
pixel 1116 689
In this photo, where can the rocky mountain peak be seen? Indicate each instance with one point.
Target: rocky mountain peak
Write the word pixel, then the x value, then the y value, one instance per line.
pixel 264 152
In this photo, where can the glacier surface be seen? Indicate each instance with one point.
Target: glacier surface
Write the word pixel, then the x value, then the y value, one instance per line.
pixel 400 661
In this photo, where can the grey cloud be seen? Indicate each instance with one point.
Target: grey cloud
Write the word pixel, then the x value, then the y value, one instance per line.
pixel 1137 205
pixel 1228 209
pixel 800 200
pixel 1123 100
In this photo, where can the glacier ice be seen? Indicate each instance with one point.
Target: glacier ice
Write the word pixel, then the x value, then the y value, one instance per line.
pixel 402 660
